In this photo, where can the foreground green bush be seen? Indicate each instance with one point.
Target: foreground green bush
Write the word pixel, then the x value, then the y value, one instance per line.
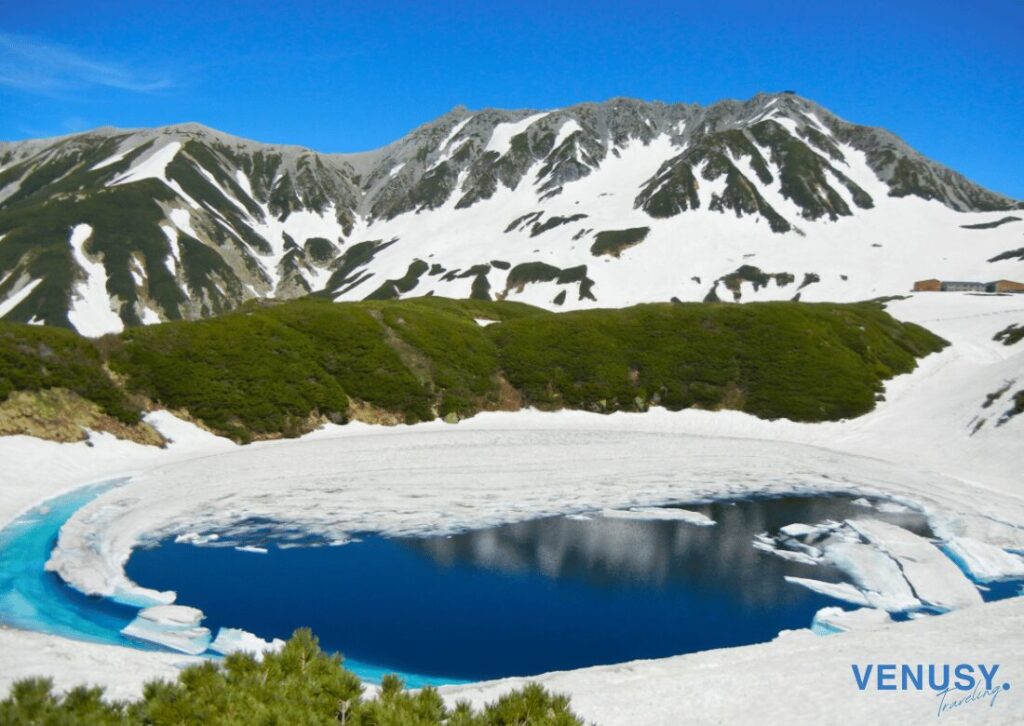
pixel 299 685
pixel 280 369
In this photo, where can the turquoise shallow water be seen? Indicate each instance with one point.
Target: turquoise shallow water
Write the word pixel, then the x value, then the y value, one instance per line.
pixel 34 599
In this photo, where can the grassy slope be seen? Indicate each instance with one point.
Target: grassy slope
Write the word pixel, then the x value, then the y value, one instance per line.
pixel 279 369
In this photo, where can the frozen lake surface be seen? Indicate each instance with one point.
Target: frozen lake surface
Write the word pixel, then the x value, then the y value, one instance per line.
pixel 518 599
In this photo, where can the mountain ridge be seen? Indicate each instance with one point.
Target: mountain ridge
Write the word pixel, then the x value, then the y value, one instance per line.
pixel 184 221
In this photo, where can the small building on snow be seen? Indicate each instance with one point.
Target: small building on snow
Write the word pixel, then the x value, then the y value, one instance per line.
pixel 933 285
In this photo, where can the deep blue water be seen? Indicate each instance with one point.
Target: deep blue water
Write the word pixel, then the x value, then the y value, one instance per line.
pixel 519 599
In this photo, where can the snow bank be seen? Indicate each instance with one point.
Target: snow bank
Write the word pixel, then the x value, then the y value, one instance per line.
pixel 70 663
pixel 797 679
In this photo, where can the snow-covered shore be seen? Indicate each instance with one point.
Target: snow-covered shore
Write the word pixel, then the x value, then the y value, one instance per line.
pixel 916 447
pixel 799 678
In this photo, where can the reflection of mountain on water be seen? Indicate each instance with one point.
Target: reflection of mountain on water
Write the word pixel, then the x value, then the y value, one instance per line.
pixel 658 554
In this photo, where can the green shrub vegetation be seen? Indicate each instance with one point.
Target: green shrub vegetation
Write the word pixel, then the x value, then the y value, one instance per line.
pixel 748 273
pixel 298 685
pixel 615 241
pixel 35 358
pixel 279 369
pixel 1011 334
pixel 991 225
pixel 806 362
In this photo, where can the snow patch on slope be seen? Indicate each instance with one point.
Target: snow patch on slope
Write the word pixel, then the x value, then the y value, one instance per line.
pixel 15 298
pixel 91 312
pixel 112 159
pixel 453 133
pixel 567 129
pixel 501 137
pixel 153 166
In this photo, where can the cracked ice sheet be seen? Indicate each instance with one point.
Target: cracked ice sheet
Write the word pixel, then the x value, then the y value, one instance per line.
pixel 936 579
pixel 877 574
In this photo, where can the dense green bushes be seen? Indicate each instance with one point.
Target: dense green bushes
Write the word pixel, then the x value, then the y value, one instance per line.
pixel 279 369
pixel 266 369
pixel 298 685
pixel 798 361
pixel 34 358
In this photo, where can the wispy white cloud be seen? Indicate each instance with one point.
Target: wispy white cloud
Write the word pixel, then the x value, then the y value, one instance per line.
pixel 36 66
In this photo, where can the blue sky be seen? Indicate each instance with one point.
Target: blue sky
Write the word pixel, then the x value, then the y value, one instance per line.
pixel 947 77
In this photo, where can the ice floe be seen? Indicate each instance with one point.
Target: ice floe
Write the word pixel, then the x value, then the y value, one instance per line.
pixel 235 640
pixel 985 562
pixel 891 567
pixel 798 530
pixel 196 538
pixel 836 620
pixel 668 513
pixel 172 626
pixel 252 548
pixel 839 590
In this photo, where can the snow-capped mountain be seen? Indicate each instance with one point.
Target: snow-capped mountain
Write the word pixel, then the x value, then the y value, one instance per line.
pixel 592 205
